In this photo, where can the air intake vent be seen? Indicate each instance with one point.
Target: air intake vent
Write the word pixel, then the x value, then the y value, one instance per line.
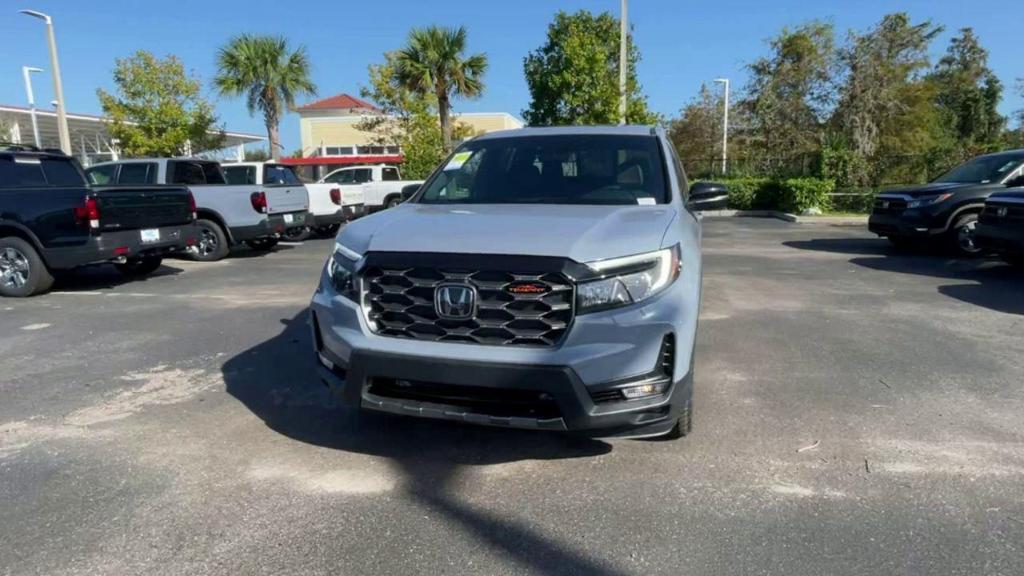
pixel 667 357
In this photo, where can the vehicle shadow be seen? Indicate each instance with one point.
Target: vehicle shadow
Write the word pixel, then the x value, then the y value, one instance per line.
pixel 105 276
pixel 994 285
pixel 277 381
pixel 855 246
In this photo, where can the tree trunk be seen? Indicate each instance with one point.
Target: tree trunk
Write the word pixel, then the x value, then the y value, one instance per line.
pixel 443 110
pixel 274 137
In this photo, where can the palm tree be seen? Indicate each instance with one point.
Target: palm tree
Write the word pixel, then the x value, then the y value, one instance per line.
pixel 433 62
pixel 268 74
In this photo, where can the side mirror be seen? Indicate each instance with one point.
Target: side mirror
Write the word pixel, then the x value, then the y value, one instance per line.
pixel 708 196
pixel 409 191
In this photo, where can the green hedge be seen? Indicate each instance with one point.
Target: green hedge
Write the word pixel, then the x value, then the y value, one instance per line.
pixel 792 195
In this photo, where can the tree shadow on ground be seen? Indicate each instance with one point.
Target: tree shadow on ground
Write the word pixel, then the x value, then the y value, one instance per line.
pixel 277 381
pixel 105 276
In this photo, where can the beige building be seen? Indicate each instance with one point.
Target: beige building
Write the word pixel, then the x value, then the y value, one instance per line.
pixel 329 129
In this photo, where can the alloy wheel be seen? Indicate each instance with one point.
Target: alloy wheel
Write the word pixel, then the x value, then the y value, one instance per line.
pixel 965 237
pixel 14 268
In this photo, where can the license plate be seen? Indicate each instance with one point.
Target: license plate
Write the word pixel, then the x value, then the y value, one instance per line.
pixel 150 235
pixel 289 218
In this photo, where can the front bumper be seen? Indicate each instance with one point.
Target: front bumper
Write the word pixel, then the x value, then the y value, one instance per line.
pixel 1007 238
pixel 109 246
pixel 602 351
pixel 906 224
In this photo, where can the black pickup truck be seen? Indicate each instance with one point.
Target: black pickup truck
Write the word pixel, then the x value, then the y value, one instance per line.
pixel 52 220
pixel 947 209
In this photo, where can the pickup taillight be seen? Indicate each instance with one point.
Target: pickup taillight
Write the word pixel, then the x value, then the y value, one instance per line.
pixel 336 196
pixel 192 205
pixel 259 202
pixel 88 213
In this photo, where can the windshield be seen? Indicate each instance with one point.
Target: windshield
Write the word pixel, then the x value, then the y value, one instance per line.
pixel 571 169
pixel 983 170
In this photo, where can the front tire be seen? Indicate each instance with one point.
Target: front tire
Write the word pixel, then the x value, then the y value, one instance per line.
pixel 684 424
pixel 22 272
pixel 328 231
pixel 213 242
pixel 392 202
pixel 962 240
pixel 140 266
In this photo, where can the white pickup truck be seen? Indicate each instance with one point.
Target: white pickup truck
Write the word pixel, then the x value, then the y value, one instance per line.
pixel 228 214
pixel 380 184
pixel 330 205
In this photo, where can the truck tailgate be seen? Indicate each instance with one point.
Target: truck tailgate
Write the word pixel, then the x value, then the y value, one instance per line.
pixel 137 207
pixel 283 198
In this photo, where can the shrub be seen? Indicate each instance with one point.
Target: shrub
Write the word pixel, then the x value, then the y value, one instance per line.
pixel 858 200
pixel 745 193
pixel 799 194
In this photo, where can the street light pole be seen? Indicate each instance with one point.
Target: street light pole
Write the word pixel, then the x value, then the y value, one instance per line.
pixel 725 125
pixel 58 88
pixel 26 71
pixel 623 60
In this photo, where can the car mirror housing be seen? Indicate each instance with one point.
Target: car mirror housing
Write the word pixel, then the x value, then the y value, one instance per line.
pixel 708 196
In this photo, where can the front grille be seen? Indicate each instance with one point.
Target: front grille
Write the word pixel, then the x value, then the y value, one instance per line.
pixel 889 205
pixel 401 304
pixel 500 402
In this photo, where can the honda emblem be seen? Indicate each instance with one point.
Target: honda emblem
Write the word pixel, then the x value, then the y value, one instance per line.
pixel 455 301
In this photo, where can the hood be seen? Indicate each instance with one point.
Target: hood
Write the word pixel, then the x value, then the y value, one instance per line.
pixel 581 233
pixel 935 188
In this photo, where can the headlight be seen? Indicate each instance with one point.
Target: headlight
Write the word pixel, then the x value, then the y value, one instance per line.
pixel 341 269
pixel 631 280
pixel 923 201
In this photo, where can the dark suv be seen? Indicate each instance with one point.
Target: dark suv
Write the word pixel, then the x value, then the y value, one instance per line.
pixel 948 208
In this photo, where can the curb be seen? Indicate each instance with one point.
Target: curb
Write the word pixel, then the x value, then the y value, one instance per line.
pixel 793 218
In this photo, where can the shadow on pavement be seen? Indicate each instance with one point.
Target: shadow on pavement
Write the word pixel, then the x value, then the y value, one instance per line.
pixel 865 246
pixel 105 276
pixel 277 381
pixel 995 285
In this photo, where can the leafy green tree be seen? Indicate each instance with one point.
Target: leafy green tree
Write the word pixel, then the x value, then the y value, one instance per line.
pixel 887 108
pixel 434 62
pixel 157 109
pixel 574 77
pixel 697 132
pixel 408 120
pixel 257 155
pixel 790 92
pixel 269 74
pixel 969 93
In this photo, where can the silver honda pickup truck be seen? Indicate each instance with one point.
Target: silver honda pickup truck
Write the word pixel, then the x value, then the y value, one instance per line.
pixel 542 278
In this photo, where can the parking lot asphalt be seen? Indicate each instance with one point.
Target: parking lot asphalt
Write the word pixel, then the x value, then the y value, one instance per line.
pixel 858 411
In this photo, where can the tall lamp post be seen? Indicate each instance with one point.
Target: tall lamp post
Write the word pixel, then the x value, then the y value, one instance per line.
pixel 58 88
pixel 27 71
pixel 725 125
pixel 623 57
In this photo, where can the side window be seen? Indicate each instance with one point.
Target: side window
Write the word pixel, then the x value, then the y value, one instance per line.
pixel 187 173
pixel 101 175
pixel 137 173
pixel 20 172
pixel 240 174
pixel 278 174
pixel 343 177
pixel 390 174
pixel 363 175
pixel 213 173
pixel 677 166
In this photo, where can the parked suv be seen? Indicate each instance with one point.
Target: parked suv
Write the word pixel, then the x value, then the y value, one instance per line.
pixel 545 278
pixel 51 220
pixel 947 209
pixel 1001 226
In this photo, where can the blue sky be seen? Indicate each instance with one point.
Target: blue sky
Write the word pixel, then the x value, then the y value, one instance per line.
pixel 683 43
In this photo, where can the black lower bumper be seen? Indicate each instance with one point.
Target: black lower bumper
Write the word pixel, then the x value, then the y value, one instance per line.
pixel 1005 238
pixel 272 225
pixel 907 224
pixel 109 246
pixel 496 395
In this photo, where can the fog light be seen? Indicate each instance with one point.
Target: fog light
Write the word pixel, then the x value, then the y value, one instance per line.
pixel 645 390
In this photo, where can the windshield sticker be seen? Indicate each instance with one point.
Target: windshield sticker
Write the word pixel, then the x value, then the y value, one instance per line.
pixel 457 161
pixel 646 201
